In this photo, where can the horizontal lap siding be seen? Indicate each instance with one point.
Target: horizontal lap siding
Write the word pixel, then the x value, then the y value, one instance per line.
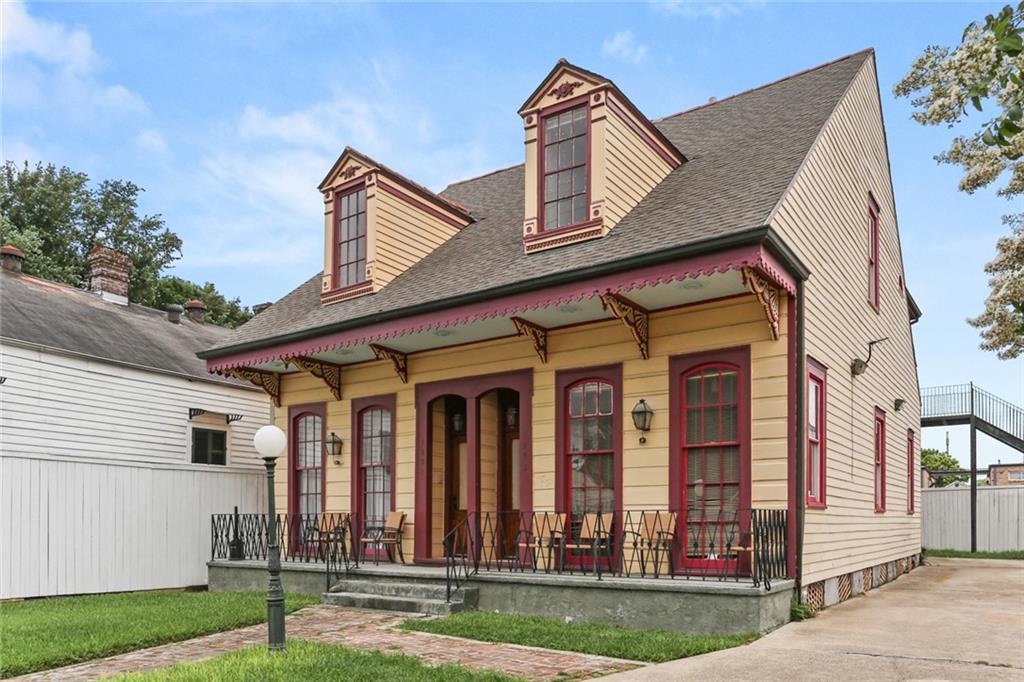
pixel 824 217
pixel 631 168
pixel 734 322
pixel 402 235
pixel 97 489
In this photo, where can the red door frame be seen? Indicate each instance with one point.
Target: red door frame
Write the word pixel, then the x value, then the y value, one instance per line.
pixel 470 388
pixel 360 405
pixel 680 366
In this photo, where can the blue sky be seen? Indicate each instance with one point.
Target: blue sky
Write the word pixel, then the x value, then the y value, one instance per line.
pixel 230 114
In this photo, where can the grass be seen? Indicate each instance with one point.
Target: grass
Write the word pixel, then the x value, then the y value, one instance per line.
pixel 46 633
pixel 653 646
pixel 958 554
pixel 313 662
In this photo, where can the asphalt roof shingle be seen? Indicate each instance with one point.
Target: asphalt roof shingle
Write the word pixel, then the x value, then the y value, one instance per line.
pixel 67 319
pixel 742 151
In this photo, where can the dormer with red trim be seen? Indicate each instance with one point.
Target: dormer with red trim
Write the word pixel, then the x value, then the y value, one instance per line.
pixel 591 156
pixel 377 224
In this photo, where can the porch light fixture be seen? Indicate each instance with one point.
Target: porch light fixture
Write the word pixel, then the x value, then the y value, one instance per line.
pixel 642 415
pixel 334 447
pixel 858 366
pixel 512 418
pixel 458 423
pixel 270 442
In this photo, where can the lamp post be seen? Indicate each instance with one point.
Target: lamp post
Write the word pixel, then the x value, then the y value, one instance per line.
pixel 270 442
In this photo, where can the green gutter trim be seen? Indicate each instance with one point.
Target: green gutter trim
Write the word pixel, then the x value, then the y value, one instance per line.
pixel 763 234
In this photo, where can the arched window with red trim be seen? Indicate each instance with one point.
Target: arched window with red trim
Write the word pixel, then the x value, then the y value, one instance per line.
pixel 590 447
pixel 375 465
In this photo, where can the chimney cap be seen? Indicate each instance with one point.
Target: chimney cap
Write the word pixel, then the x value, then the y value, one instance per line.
pixel 260 307
pixel 195 304
pixel 12 250
pixel 174 311
pixel 11 257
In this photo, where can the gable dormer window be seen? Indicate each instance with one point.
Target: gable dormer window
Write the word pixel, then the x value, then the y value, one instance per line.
pixel 564 186
pixel 350 241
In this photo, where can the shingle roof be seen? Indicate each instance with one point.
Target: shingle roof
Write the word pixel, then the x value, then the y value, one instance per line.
pixel 742 151
pixel 67 319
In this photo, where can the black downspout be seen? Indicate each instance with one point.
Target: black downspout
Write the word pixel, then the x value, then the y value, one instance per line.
pixel 801 440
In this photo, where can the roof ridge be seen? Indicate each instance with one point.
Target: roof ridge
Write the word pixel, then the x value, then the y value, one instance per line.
pixel 867 50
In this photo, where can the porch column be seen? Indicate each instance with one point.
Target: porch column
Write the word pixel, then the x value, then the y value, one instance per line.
pixel 473 474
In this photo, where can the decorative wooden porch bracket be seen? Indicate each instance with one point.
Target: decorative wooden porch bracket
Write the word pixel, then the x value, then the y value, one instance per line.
pixel 767 295
pixel 327 371
pixel 270 382
pixel 397 358
pixel 537 334
pixel 635 317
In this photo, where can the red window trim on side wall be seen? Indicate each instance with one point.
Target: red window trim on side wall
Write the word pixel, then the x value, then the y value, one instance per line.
pixel 360 405
pixel 295 412
pixel 880 457
pixel 874 293
pixel 910 471
pixel 818 373
pixel 564 380
pixel 542 116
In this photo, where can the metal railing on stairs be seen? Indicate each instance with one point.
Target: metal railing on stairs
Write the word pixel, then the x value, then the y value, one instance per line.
pixel 957 403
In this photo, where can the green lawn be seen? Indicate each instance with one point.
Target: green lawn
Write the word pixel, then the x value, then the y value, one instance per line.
pixel 654 646
pixel 46 633
pixel 312 662
pixel 957 554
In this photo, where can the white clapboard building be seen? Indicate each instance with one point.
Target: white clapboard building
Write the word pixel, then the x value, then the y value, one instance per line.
pixel 116 445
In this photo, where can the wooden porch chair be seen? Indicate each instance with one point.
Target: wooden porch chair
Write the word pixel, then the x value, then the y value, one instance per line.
pixel 656 539
pixel 545 533
pixel 595 537
pixel 390 537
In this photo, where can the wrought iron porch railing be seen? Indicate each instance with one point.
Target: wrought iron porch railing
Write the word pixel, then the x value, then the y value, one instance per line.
pixel 954 403
pixel 328 538
pixel 735 546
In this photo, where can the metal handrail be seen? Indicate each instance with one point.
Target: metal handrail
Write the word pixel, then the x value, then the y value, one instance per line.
pixel 957 401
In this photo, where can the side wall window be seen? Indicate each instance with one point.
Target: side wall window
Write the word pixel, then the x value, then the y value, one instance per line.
pixel 816 431
pixel 874 297
pixel 879 460
pixel 209 446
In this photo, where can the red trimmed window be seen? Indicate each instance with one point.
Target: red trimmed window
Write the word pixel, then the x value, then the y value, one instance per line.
pixel 564 169
pixel 816 418
pixel 375 459
pixel 590 450
pixel 879 460
pixel 910 471
pixel 308 465
pixel 873 288
pixel 351 238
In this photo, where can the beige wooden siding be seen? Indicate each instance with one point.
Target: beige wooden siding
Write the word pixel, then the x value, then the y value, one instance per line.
pixel 825 218
pixel 733 322
pixel 631 169
pixel 403 234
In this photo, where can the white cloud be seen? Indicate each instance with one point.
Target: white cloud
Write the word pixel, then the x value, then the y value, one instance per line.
pixel 151 140
pixel 51 67
pixel 623 45
pixel 694 9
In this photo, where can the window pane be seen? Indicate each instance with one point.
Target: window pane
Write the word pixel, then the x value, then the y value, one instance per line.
pixel 579 153
pixel 575 435
pixel 564 184
pixel 693 390
pixel 551 157
pixel 361 225
pixel 576 402
pixel 604 440
pixel 579 116
pixel 590 435
pixel 605 403
pixel 579 209
pixel 693 426
pixel 564 213
pixel 711 387
pixel 590 398
pixel 199 450
pixel 579 180
pixel 551 186
pixel 361 194
pixel 551 214
pixel 729 387
pixel 565 154
pixel 729 419
pixel 361 248
pixel 712 423
pixel 550 127
pixel 565 125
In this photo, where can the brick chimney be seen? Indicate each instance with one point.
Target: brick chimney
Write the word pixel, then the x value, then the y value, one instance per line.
pixel 196 311
pixel 260 307
pixel 108 274
pixel 12 258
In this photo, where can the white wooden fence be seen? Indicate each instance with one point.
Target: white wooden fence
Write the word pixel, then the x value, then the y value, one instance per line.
pixel 946 518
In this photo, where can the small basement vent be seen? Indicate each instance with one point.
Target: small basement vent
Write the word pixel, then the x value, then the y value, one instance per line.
pixel 816 595
pixel 868 579
pixel 845 587
pixel 883 573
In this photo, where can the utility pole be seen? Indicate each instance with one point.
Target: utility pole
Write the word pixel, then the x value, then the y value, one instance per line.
pixel 974 475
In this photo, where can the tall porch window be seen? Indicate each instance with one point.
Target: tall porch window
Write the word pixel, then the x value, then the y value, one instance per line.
pixel 590 451
pixel 307 435
pixel 375 461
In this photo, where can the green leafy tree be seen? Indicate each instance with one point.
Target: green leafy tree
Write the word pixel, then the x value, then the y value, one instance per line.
pixel 56 218
pixel 985 71
pixel 937 460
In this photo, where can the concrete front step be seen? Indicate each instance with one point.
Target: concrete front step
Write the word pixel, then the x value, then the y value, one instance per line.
pixel 419 590
pixel 386 602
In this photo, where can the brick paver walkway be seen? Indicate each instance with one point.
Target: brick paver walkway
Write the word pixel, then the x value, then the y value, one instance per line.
pixel 360 629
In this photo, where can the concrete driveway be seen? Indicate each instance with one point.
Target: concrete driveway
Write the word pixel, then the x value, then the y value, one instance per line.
pixel 954 619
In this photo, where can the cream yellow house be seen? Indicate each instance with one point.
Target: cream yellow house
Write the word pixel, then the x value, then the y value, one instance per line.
pixel 679 346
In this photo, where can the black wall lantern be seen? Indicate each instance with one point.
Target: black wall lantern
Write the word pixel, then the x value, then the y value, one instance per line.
pixel 458 423
pixel 334 447
pixel 642 415
pixel 512 418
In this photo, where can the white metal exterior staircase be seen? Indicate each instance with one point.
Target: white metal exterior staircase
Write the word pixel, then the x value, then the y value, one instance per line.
pixel 955 405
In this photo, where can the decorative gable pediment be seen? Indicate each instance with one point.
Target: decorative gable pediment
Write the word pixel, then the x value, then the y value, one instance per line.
pixel 591 156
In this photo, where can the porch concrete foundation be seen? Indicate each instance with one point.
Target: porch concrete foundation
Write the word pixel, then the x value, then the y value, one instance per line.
pixel 681 605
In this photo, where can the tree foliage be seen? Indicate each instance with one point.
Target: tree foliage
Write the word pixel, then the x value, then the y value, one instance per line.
pixel 56 218
pixel 985 71
pixel 937 460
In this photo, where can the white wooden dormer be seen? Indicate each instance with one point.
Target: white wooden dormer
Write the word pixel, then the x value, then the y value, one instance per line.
pixel 377 224
pixel 591 156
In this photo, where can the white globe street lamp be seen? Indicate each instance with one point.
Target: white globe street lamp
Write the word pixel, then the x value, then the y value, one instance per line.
pixel 271 443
